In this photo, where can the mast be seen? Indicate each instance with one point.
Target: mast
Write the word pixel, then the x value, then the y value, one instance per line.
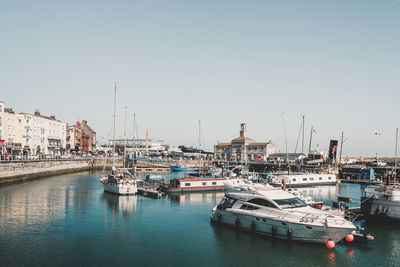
pixel 199 146
pixel 284 129
pixel 309 147
pixel 124 158
pixel 115 103
pixel 341 148
pixel 302 140
pixel 395 156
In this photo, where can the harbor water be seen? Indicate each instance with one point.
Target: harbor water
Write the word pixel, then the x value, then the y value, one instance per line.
pixel 68 220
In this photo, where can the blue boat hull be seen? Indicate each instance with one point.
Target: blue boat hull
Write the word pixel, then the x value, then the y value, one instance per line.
pixel 180 169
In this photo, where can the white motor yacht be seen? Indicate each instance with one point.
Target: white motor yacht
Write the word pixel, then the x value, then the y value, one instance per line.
pixel 279 214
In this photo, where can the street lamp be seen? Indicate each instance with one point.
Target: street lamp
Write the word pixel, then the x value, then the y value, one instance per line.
pixel 377 143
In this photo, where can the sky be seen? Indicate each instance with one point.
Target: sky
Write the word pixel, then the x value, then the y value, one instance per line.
pixel 265 63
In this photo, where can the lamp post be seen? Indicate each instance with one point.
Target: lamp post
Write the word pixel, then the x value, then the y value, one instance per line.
pixel 377 143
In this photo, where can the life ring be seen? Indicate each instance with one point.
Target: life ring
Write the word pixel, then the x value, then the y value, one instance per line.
pixel 289 234
pixel 253 226
pixel 273 231
pixel 237 222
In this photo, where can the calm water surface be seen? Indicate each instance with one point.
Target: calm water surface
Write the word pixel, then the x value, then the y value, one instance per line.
pixel 69 220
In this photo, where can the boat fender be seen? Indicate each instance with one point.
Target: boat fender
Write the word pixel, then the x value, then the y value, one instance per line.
pixel 289 234
pixel 219 218
pixel 253 226
pixel 273 231
pixel 237 222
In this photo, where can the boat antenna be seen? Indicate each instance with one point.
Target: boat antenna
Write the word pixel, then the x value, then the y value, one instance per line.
pixel 115 102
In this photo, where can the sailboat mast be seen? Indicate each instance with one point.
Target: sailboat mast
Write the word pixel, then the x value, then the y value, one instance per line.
pixel 309 148
pixel 115 104
pixel 199 146
pixel 395 156
pixel 124 158
pixel 341 148
pixel 302 141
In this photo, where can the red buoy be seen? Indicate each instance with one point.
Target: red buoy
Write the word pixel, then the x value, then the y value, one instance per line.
pixel 349 238
pixel 330 243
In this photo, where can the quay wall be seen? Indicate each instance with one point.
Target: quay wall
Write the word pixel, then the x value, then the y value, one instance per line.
pixel 26 170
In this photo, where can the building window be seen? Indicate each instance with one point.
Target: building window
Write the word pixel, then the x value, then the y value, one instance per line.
pixel 304 179
pixel 329 178
pixel 311 179
pixel 320 178
pixel 204 183
pixel 187 184
pixel 214 183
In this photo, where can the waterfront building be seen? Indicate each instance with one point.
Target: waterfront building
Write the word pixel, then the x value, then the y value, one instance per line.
pixel 33 134
pixel 243 148
pixel 80 138
pixel 9 132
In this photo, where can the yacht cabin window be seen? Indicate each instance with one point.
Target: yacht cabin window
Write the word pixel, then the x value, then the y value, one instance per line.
pixel 262 202
pixel 290 203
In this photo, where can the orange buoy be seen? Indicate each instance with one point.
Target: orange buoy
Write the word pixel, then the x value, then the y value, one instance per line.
pixel 349 238
pixel 330 243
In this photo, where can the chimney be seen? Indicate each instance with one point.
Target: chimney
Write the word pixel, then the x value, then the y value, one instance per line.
pixel 37 112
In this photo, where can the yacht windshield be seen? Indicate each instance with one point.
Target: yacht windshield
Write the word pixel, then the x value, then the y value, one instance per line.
pixel 290 203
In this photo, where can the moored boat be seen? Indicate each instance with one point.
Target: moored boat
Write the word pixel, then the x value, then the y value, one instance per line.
pixel 303 179
pixel 381 202
pixel 194 184
pixel 279 214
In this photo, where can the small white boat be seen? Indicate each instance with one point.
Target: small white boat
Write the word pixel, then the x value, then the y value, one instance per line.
pixel 279 214
pixel 121 183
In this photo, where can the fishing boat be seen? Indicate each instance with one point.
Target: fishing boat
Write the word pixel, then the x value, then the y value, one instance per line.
pixel 279 214
pixel 119 182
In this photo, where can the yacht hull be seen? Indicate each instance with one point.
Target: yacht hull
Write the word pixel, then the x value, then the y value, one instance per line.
pixel 119 189
pixel 380 208
pixel 283 229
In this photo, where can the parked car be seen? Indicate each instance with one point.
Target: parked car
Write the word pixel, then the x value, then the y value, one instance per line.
pixel 377 163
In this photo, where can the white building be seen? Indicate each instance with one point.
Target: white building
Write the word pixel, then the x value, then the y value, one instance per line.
pixel 243 149
pixel 33 133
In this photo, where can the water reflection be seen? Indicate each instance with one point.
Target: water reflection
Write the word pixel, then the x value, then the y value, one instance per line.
pixel 122 204
pixel 196 198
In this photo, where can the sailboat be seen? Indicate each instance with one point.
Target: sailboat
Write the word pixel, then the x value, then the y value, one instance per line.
pixel 119 182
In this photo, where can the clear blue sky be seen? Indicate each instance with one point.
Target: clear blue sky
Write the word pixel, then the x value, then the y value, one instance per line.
pixel 224 62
